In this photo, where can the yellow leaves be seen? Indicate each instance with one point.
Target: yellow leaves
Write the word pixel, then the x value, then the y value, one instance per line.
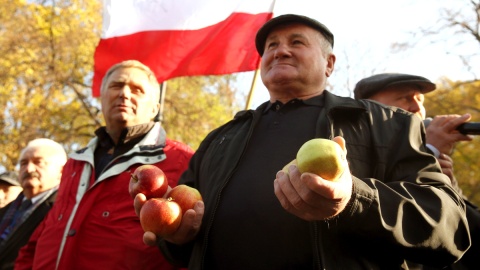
pixel 46 67
pixel 196 105
pixel 45 70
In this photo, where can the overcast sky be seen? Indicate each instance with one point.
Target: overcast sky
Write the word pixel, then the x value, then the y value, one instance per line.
pixel 364 33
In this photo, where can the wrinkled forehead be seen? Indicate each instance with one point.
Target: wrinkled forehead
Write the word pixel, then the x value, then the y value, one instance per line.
pixel 128 74
pixel 134 75
pixel 35 152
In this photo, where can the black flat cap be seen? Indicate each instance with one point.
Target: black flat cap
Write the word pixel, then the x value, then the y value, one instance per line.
pixel 10 177
pixel 369 86
pixel 289 18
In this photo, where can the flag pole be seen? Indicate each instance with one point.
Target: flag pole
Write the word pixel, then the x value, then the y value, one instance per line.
pixel 256 74
pixel 163 90
pixel 252 88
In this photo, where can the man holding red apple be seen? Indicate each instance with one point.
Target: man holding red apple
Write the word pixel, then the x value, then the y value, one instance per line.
pixel 391 204
pixel 93 224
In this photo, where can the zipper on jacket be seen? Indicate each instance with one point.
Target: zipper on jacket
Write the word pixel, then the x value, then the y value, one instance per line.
pixel 317 253
pixel 229 176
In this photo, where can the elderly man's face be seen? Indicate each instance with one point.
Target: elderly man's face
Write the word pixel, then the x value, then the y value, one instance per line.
pixel 127 99
pixel 407 97
pixel 293 58
pixel 39 170
pixel 8 193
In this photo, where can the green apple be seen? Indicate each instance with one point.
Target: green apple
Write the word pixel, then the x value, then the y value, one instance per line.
pixel 322 157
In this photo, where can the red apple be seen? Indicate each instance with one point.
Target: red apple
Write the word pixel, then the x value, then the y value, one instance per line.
pixel 185 196
pixel 149 180
pixel 160 216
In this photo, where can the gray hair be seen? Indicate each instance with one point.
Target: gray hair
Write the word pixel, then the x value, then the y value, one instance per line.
pixel 325 45
pixel 58 152
pixel 133 64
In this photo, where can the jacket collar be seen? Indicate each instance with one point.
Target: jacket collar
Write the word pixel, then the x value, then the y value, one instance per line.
pixel 128 133
pixel 148 151
pixel 333 103
pixel 155 137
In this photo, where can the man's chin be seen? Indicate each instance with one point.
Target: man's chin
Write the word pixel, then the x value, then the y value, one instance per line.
pixel 29 183
pixel 122 120
pixel 128 121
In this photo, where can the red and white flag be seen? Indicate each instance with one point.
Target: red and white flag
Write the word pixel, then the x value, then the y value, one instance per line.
pixel 181 37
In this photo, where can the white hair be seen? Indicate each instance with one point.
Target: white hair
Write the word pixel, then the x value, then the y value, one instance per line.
pixel 57 151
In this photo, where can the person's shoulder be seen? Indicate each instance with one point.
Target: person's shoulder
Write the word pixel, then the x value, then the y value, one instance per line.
pixel 249 113
pixel 176 145
pixel 373 105
pixel 243 114
pixel 4 209
pixel 179 151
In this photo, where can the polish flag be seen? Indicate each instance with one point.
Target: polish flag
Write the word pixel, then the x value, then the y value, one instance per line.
pixel 181 37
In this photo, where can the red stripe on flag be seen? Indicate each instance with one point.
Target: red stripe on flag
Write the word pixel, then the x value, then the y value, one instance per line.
pixel 223 48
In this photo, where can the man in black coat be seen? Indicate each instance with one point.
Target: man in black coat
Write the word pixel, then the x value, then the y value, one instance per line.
pixel 407 91
pixel 391 204
pixel 41 163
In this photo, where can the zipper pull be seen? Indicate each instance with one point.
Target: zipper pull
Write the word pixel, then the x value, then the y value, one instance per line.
pixel 223 139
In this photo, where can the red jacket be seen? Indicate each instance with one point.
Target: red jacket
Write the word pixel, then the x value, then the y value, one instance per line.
pixel 93 225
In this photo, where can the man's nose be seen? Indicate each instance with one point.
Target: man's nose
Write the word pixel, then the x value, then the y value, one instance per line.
pixel 30 167
pixel 281 50
pixel 125 92
pixel 415 106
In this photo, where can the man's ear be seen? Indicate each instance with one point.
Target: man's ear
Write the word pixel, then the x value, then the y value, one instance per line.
pixel 155 110
pixel 330 64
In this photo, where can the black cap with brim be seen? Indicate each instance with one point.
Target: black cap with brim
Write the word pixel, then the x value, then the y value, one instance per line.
pixel 10 178
pixel 369 86
pixel 289 18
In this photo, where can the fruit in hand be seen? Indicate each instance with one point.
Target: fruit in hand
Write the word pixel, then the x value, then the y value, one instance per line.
pixel 160 216
pixel 149 180
pixel 185 196
pixel 322 157
pixel 285 168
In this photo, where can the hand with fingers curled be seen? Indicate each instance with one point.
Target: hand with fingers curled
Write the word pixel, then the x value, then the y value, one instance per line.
pixel 311 197
pixel 442 132
pixel 184 232
pixel 446 163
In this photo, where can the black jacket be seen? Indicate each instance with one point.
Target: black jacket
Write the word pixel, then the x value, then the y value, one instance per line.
pixel 402 206
pixel 9 248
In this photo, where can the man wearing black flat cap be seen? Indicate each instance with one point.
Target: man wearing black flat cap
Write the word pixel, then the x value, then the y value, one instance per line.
pixel 407 91
pixel 254 215
pixel 9 187
pixel 370 86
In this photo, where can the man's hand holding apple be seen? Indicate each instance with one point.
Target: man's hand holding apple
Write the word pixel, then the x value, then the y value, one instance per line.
pixel 311 197
pixel 188 229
